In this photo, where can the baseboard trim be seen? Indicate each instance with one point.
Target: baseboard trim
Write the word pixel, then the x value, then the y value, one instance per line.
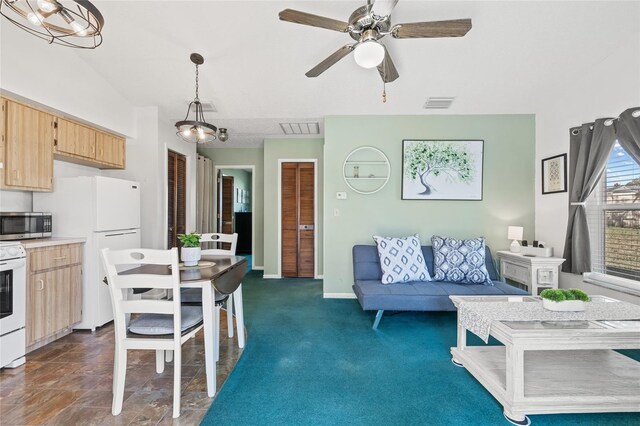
pixel 271 276
pixel 339 295
pixel 257 268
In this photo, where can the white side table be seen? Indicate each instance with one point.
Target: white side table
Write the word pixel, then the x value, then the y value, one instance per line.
pixel 534 272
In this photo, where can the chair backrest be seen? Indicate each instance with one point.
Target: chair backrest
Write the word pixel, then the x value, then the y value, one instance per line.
pixel 220 238
pixel 156 275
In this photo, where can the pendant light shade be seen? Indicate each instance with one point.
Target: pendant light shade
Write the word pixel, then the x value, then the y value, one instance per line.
pixel 76 23
pixel 197 130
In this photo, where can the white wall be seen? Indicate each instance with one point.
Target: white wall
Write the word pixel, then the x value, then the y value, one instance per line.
pixel 602 90
pixel 58 77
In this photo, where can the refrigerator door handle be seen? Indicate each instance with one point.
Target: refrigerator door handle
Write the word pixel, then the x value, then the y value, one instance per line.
pixel 120 233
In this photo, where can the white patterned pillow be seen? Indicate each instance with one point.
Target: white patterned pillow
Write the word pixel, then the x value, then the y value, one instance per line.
pixel 401 259
pixel 460 261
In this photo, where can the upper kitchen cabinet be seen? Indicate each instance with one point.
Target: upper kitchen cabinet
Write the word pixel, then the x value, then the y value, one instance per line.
pixel 75 140
pixel 27 147
pixel 81 144
pixel 110 150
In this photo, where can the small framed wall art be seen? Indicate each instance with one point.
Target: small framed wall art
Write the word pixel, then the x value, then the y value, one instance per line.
pixel 442 169
pixel 554 174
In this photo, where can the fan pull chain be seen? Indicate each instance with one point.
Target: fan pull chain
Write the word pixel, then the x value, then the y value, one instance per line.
pixel 384 92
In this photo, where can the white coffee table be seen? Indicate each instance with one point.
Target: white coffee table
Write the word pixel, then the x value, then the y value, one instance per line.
pixel 554 367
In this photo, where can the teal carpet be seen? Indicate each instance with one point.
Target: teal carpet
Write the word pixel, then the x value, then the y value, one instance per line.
pixel 315 361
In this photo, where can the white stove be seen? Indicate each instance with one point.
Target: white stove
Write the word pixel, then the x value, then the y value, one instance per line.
pixel 13 304
pixel 11 250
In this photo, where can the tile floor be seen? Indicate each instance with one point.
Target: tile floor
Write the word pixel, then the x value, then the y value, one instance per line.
pixel 68 382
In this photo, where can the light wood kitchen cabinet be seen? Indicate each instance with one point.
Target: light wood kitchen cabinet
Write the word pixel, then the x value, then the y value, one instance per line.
pixel 75 139
pixel 54 292
pixel 27 138
pixel 110 149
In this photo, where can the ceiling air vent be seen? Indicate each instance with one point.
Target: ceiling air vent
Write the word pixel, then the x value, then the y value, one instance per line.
pixel 306 128
pixel 206 106
pixel 438 103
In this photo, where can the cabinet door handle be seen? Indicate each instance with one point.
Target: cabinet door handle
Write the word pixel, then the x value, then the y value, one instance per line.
pixel 60 258
pixel 41 285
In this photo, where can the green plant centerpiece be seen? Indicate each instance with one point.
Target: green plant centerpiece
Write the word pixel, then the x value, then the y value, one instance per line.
pixel 572 299
pixel 190 252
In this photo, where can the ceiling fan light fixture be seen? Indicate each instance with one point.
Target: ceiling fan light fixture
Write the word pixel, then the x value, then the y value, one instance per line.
pixel 369 54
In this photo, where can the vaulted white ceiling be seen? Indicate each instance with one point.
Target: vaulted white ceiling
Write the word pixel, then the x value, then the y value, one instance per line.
pixel 514 58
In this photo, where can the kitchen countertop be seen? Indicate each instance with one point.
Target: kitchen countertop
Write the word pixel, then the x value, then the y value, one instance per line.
pixel 47 242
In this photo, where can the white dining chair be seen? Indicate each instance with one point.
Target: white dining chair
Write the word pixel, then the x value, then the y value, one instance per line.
pixel 233 300
pixel 160 325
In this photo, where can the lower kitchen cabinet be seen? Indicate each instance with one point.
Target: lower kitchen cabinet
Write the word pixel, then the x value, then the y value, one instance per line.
pixel 54 294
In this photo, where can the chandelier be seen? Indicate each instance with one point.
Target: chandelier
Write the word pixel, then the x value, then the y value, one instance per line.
pixel 76 23
pixel 198 130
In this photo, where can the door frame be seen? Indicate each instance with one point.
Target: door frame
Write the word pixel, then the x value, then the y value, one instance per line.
pixel 253 204
pixel 315 211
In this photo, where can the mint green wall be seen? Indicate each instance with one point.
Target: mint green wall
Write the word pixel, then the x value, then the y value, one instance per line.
pixel 246 157
pixel 288 149
pixel 508 187
pixel 241 180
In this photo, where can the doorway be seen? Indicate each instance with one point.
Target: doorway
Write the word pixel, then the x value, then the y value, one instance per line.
pixel 176 197
pixel 235 201
pixel 298 218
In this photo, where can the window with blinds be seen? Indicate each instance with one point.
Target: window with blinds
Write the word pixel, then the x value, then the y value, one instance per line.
pixel 613 213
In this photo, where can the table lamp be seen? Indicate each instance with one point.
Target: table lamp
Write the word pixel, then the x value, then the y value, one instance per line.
pixel 515 233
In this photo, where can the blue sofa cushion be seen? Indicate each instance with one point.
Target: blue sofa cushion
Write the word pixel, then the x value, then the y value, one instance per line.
pixel 366 263
pixel 401 259
pixel 460 261
pixel 423 296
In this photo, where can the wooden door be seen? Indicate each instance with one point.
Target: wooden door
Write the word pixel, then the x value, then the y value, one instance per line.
pixel 75 296
pixel 29 147
pixel 298 219
pixel 59 287
pixel 176 198
pixel 225 206
pixel 75 139
pixel 37 308
pixel 109 149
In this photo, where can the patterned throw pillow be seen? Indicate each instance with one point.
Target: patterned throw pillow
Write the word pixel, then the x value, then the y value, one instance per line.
pixel 459 261
pixel 401 259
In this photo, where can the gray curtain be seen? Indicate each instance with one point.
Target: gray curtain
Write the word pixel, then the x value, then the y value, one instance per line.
pixel 589 149
pixel 628 131
pixel 204 201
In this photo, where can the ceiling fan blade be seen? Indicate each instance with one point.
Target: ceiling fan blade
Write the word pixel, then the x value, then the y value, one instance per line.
pixel 304 18
pixel 452 28
pixel 387 69
pixel 330 61
pixel 383 8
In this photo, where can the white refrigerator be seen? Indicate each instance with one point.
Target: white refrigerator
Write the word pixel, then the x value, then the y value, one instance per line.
pixel 105 211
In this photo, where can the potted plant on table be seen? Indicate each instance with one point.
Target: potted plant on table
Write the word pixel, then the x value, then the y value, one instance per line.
pixel 572 299
pixel 190 252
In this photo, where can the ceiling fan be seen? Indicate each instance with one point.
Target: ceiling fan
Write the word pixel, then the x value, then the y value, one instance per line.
pixel 367 25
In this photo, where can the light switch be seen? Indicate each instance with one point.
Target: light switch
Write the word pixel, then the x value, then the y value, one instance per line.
pixel 336 212
pixel 341 195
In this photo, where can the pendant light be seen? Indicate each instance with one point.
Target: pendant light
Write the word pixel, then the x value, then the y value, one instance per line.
pixel 198 130
pixel 76 23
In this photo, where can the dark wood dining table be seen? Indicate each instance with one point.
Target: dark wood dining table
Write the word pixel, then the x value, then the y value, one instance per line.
pixel 225 277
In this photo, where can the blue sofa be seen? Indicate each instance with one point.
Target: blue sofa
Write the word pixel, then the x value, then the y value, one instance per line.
pixel 414 296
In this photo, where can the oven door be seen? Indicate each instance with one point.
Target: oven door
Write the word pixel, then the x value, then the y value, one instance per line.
pixel 12 295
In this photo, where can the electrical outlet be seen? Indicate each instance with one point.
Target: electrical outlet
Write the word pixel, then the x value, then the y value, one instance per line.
pixel 341 195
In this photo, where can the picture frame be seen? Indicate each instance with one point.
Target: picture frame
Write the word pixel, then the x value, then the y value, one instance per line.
pixel 554 174
pixel 442 169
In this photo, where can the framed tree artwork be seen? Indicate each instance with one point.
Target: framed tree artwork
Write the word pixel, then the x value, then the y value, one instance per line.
pixel 554 174
pixel 442 169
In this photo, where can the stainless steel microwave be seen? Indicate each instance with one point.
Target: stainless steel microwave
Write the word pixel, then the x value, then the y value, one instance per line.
pixel 24 225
